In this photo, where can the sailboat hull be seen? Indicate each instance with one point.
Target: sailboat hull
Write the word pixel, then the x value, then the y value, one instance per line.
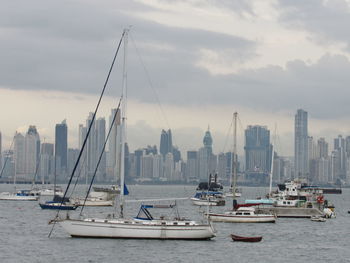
pixel 15 197
pixel 136 229
pixel 242 219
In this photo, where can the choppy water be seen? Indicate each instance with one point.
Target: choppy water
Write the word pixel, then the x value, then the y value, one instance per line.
pixel 24 229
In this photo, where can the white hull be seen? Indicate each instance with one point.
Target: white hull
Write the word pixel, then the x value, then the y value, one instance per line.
pixel 231 195
pixel 14 197
pixel 136 229
pixel 241 219
pixel 88 202
pixel 200 202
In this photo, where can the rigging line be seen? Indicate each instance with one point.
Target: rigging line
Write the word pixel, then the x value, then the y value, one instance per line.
pixel 89 130
pixel 150 82
pixel 80 170
pixel 3 167
pixel 227 136
pixel 101 155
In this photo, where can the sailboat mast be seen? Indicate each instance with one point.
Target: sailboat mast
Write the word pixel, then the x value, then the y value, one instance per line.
pixel 123 128
pixel 234 161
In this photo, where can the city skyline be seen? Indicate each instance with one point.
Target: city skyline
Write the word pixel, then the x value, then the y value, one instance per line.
pixel 263 60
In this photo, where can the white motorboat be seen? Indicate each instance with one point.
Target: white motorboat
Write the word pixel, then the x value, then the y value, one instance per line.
pixel 208 199
pixel 318 219
pixel 140 227
pixel 22 195
pixel 51 192
pixel 242 215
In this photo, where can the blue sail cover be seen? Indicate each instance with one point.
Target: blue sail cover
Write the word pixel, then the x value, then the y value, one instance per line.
pixel 126 191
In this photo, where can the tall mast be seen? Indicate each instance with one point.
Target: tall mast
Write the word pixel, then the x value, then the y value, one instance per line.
pixel 123 126
pixel 234 161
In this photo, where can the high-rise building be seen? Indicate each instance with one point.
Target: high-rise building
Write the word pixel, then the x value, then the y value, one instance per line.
pixel 322 148
pixel 83 159
pixel 192 166
pixel 61 148
pixel 32 152
pixel 301 156
pixel 258 153
pixel 19 154
pixel 169 167
pixel 47 162
pixel 341 158
pixel 100 141
pixel 166 143
pixel 205 157
pixel 113 145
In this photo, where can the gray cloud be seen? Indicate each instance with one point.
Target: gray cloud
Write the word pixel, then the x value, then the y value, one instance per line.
pixel 324 20
pixel 68 45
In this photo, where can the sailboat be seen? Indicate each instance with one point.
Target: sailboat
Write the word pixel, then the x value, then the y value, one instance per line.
pixel 243 214
pixel 20 195
pixel 135 228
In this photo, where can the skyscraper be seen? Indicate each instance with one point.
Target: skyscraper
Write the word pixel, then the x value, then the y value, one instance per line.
pixel 113 145
pixel 32 151
pixel 166 143
pixel 258 152
pixel 100 141
pixel 301 157
pixel 61 148
pixel 19 154
pixel 205 157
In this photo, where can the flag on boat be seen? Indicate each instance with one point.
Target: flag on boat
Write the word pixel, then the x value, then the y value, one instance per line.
pixel 126 191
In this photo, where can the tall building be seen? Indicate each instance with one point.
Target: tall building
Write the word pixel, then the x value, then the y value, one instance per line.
pixel 32 152
pixel 61 148
pixel 205 157
pixel 322 148
pixel 83 159
pixel 341 158
pixel 192 166
pixel 301 156
pixel 19 154
pixel 113 147
pixel 100 141
pixel 166 143
pixel 258 153
pixel 47 162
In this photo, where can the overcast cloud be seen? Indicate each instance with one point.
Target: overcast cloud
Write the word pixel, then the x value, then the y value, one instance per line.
pixel 263 56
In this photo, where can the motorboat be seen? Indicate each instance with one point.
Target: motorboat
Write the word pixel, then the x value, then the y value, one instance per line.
pixel 318 219
pixel 21 195
pixel 208 199
pixel 246 239
pixel 242 215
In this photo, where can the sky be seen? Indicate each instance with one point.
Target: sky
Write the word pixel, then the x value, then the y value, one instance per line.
pixel 191 65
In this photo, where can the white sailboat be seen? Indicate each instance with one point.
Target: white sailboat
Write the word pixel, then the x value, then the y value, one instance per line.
pixel 242 214
pixel 145 228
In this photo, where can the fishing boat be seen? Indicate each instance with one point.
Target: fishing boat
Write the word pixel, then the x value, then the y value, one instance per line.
pixel 134 228
pixel 246 239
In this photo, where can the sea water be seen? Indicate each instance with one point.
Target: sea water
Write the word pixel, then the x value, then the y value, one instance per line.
pixel 24 233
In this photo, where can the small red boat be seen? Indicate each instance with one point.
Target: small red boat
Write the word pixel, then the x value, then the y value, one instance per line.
pixel 245 239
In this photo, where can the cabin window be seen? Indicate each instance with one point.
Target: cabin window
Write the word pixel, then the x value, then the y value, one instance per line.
pixel 175 223
pixel 239 214
pixel 284 202
pixel 106 221
pixel 247 214
pixel 187 223
pixel 163 223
